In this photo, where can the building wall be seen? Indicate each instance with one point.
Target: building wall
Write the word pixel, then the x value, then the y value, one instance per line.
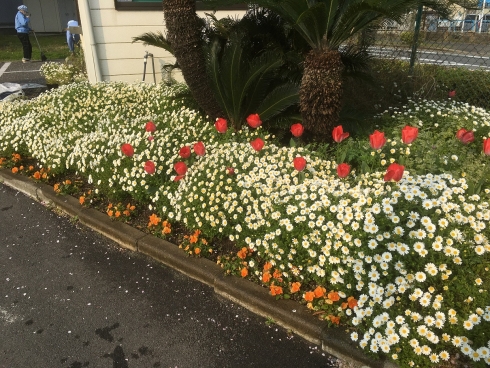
pixel 107 36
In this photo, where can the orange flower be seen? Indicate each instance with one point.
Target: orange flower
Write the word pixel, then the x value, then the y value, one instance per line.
pixel 319 292
pixel 15 157
pixel 36 175
pixel 344 305
pixel 21 167
pixel 242 253
pixel 118 213
pixel 244 272
pixel 266 276
pixel 197 250
pixel 166 230
pixel 295 287
pixel 82 200
pixel 333 296
pixel 15 170
pixel 309 295
pixel 56 187
pixel 109 206
pixel 334 319
pixel 275 290
pixel 67 182
pixel 277 274
pixel 352 302
pixel 110 213
pixel 126 213
pixel 154 220
pixel 44 175
pixel 31 167
pixel 267 266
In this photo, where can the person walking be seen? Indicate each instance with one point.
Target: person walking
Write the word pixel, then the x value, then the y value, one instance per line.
pixel 71 38
pixel 22 19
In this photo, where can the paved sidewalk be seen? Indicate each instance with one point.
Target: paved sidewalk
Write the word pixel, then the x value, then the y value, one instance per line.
pixel 72 298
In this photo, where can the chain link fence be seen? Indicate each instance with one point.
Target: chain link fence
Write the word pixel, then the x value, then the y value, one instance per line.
pixel 426 57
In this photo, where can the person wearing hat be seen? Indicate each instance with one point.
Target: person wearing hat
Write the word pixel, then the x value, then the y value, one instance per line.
pixel 23 28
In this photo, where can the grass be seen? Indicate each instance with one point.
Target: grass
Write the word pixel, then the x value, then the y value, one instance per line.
pixel 53 46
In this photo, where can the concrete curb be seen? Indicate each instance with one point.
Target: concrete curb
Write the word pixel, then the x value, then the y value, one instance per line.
pixel 286 313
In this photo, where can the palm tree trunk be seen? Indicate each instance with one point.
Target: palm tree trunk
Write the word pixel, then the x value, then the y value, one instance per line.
pixel 321 91
pixel 184 34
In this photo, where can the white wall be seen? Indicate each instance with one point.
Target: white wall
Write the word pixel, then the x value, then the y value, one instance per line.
pixel 44 15
pixel 110 54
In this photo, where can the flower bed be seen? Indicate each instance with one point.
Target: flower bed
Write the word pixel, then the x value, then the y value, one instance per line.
pixel 387 236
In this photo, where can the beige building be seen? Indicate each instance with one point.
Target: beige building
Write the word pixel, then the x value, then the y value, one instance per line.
pixel 108 27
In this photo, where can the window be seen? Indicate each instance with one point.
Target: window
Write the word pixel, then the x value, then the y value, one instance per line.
pixel 157 5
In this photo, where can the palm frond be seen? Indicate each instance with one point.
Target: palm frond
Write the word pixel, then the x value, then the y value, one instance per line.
pixel 156 39
pixel 278 100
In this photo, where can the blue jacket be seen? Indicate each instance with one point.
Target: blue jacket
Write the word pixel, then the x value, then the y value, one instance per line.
pixel 22 23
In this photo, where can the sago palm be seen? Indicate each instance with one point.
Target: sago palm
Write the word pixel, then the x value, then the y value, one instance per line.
pixel 326 25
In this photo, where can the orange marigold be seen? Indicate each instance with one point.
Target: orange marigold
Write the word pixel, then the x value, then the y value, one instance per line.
pixel 333 296
pixel 295 287
pixel 277 274
pixel 31 167
pixel 334 319
pixel 319 292
pixel 15 170
pixel 81 200
pixel 267 266
pixel 309 296
pixel 352 302
pixel 242 253
pixel 275 290
pixel 266 276
pixel 56 187
pixel 36 175
pixel 244 272
pixel 67 182
pixel 117 214
pixel 166 230
pixel 110 213
pixel 154 220
pixel 126 213
pixel 197 250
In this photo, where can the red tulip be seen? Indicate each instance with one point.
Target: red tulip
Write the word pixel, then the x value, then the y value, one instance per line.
pixel 257 144
pixel 150 167
pixel 377 140
pixel 185 152
pixel 178 177
pixel 394 172
pixel 409 134
pixel 230 171
pixel 299 163
pixel 150 127
pixel 452 93
pixel 221 125
pixel 486 146
pixel 254 120
pixel 127 149
pixel 338 134
pixel 180 168
pixel 465 136
pixel 199 149
pixel 343 170
pixel 297 129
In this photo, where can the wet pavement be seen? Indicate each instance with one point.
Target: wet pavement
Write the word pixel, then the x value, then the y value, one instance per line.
pixel 71 298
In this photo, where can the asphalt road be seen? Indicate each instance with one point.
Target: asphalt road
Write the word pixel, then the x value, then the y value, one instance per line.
pixel 71 298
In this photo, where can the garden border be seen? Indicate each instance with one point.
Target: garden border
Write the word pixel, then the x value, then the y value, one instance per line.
pixel 286 313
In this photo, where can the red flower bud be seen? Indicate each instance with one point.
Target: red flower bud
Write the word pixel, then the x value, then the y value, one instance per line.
pixel 451 93
pixel 185 152
pixel 409 134
pixel 180 168
pixel 377 140
pixel 127 149
pixel 221 125
pixel 150 138
pixel 150 167
pixel 299 163
pixel 343 170
pixel 257 144
pixel 150 127
pixel 199 149
pixel 297 130
pixel 338 134
pixel 394 172
pixel 254 120
pixel 486 146
pixel 230 171
pixel 465 136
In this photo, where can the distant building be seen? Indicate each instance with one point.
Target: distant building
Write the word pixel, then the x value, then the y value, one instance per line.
pixel 47 15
